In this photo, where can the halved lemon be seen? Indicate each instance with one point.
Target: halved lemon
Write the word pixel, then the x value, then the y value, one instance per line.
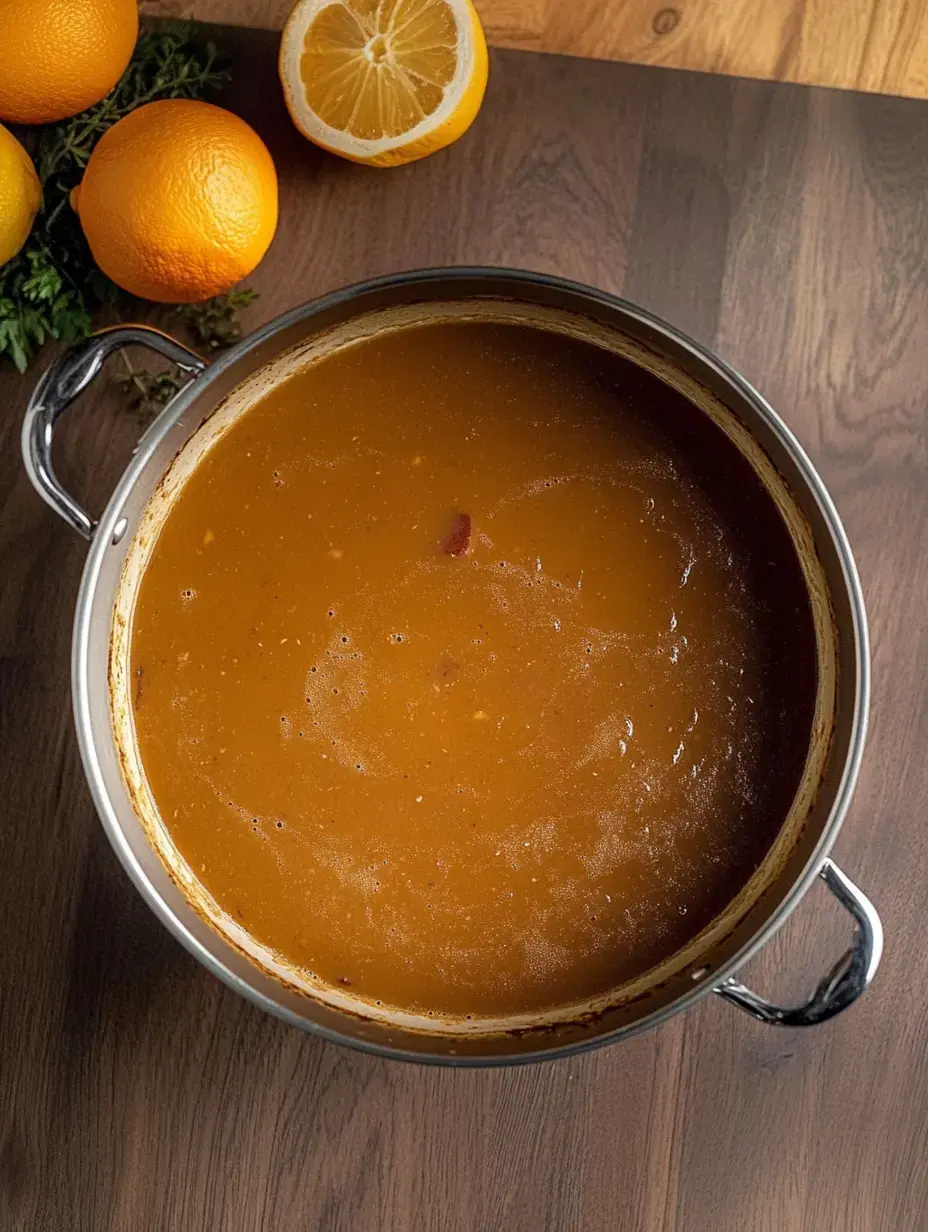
pixel 383 81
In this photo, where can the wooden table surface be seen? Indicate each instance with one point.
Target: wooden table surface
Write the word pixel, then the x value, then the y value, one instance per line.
pixel 787 228
pixel 878 45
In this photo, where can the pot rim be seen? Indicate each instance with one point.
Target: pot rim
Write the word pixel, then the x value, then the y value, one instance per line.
pixel 104 537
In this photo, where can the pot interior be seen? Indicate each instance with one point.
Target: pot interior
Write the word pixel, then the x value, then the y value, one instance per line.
pixel 691 964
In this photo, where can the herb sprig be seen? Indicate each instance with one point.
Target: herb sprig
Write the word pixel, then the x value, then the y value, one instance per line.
pixel 51 288
pixel 214 324
pixel 147 392
pixel 211 326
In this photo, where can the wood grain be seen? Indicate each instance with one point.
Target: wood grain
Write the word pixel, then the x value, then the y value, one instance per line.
pixel 874 45
pixel 784 226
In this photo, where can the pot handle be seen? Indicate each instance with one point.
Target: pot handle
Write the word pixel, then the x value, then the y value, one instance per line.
pixel 59 385
pixel 843 984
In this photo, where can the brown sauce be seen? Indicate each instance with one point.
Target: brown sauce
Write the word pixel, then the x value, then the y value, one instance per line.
pixel 473 670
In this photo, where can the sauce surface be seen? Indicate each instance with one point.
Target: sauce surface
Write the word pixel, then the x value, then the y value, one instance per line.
pixel 473 670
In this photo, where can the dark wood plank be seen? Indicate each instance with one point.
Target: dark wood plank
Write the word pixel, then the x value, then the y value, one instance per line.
pixel 788 228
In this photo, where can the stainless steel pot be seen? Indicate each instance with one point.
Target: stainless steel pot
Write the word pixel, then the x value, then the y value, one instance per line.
pixel 680 360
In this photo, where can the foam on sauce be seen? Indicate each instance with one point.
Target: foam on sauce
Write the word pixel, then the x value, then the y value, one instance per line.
pixel 473 670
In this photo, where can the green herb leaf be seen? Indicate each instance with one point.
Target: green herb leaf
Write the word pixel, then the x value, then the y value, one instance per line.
pixel 215 324
pixel 148 392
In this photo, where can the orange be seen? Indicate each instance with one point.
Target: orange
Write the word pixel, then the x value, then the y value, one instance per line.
pixel 383 81
pixel 59 56
pixel 178 201
pixel 20 195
